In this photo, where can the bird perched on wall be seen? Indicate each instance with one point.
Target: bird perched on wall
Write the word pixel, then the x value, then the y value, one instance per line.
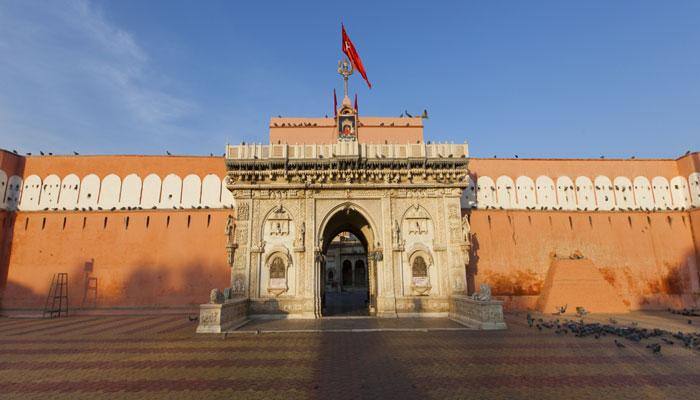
pixel 602 156
pixel 687 152
pixel 15 151
pixel 75 153
pixel 425 114
pixel 407 114
pixel 168 153
pixel 41 152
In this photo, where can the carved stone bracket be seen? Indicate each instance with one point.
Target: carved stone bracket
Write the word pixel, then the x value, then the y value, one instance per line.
pixel 258 248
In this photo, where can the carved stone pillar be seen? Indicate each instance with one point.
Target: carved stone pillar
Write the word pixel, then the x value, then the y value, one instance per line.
pixel 256 263
pixel 318 290
pixel 374 258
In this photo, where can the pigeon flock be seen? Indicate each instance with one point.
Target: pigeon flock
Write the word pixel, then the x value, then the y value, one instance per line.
pixel 631 333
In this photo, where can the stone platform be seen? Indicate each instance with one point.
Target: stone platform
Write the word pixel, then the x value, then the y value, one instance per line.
pixel 350 324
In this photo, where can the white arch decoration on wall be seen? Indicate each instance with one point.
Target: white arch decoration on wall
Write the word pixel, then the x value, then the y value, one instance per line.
pixel 151 191
pixel 50 189
pixel 13 193
pixel 131 191
pixel 3 189
pixel 110 191
pixel 643 194
pixel 485 192
pixel 546 194
pixel 227 199
pixel 211 191
pixel 89 192
pixel 70 189
pixel 662 193
pixel 505 192
pixel 171 193
pixel 191 191
pixel 31 191
pixel 694 183
pixel 624 194
pixel 680 197
pixel 525 189
pixel 585 196
pixel 604 193
pixel 566 195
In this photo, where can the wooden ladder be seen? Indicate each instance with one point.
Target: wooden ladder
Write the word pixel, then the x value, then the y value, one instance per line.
pixel 58 296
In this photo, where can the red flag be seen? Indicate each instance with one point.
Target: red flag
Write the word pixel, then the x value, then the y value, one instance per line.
pixel 357 112
pixel 335 104
pixel 349 50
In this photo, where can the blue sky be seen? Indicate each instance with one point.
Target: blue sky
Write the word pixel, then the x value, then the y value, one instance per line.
pixel 537 79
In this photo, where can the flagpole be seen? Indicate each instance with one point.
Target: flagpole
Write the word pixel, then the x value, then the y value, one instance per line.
pixel 345 69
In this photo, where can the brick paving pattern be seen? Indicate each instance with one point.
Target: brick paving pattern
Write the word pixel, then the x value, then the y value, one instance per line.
pixel 161 357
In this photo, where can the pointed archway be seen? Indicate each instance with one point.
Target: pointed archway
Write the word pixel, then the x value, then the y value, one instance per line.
pixel 353 221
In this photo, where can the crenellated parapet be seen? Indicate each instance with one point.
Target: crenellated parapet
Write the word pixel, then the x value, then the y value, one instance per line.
pixel 583 193
pixel 112 192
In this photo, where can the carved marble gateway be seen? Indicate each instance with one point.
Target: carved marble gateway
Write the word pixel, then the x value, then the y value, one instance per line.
pixel 400 203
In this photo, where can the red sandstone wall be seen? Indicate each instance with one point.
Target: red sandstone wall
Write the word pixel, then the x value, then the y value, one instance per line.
pixel 123 165
pixel 689 164
pixel 645 256
pixel 695 223
pixel 12 165
pixel 137 266
pixel 574 167
pixel 323 130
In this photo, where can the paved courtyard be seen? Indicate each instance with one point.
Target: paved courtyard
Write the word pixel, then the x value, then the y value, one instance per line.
pixel 161 357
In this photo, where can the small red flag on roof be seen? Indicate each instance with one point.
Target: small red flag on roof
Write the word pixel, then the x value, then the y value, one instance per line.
pixel 351 52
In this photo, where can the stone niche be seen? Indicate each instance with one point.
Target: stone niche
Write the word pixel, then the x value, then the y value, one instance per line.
pixel 217 318
pixel 487 315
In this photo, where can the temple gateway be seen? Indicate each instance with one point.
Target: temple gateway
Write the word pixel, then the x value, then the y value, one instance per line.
pixel 304 209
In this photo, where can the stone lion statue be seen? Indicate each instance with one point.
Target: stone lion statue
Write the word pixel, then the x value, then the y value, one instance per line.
pixel 484 293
